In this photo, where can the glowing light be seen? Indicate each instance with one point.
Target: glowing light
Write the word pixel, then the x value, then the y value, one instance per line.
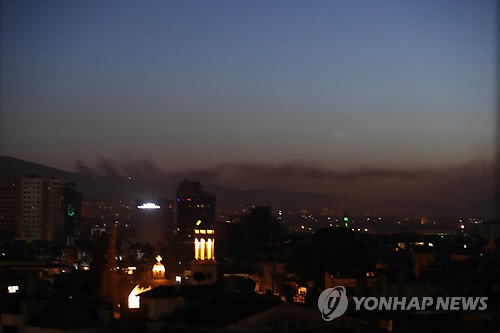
pixel 213 249
pixel 202 254
pixel 209 249
pixel 430 244
pixel 204 249
pixel 133 299
pixel 346 219
pixel 196 249
pixel 178 279
pixel 198 222
pixel 158 268
pixel 70 210
pixel 148 205
pixel 462 226
pixel 130 270
pixel 12 289
pixel 210 231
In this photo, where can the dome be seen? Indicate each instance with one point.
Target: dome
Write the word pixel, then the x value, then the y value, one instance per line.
pixel 158 269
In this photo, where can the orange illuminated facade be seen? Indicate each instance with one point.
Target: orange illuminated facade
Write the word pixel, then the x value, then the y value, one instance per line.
pixel 134 299
pixel 204 244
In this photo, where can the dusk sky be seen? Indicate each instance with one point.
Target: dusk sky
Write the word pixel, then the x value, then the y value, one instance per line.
pixel 333 84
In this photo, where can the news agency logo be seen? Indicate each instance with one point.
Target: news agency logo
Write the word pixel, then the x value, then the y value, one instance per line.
pixel 332 303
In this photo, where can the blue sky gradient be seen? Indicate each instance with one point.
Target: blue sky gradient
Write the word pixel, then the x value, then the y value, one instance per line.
pixel 337 84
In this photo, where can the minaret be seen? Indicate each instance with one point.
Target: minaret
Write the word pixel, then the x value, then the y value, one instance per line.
pixel 109 276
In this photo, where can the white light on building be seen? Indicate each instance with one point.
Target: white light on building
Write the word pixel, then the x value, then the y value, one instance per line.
pixel 148 205
pixel 12 289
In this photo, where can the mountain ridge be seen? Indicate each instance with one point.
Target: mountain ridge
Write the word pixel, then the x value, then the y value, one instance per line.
pixel 98 187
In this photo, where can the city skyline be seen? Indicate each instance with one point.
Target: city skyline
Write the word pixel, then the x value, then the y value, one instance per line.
pixel 239 166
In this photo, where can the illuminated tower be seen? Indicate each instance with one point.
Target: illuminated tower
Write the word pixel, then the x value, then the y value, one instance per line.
pixel 204 243
pixel 203 267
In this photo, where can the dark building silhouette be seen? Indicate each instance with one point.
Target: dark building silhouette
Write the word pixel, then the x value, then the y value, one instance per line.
pixel 169 213
pixel 193 204
pixel 154 221
pixel 9 207
pixel 72 203
pixel 252 235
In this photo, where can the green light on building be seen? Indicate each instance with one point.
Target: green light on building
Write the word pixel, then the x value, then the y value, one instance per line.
pixel 70 210
pixel 346 219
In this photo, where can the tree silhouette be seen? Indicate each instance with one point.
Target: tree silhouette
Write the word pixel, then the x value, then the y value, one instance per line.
pixel 199 277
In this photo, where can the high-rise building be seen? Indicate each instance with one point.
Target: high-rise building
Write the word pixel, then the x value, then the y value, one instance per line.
pixel 9 208
pixel 193 204
pixel 40 208
pixel 154 221
pixel 257 232
pixel 169 214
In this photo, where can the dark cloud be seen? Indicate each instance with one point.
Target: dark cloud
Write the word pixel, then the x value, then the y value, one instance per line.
pixel 84 169
pixel 143 169
pixel 108 168
pixel 478 177
pixel 467 185
pixel 314 173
